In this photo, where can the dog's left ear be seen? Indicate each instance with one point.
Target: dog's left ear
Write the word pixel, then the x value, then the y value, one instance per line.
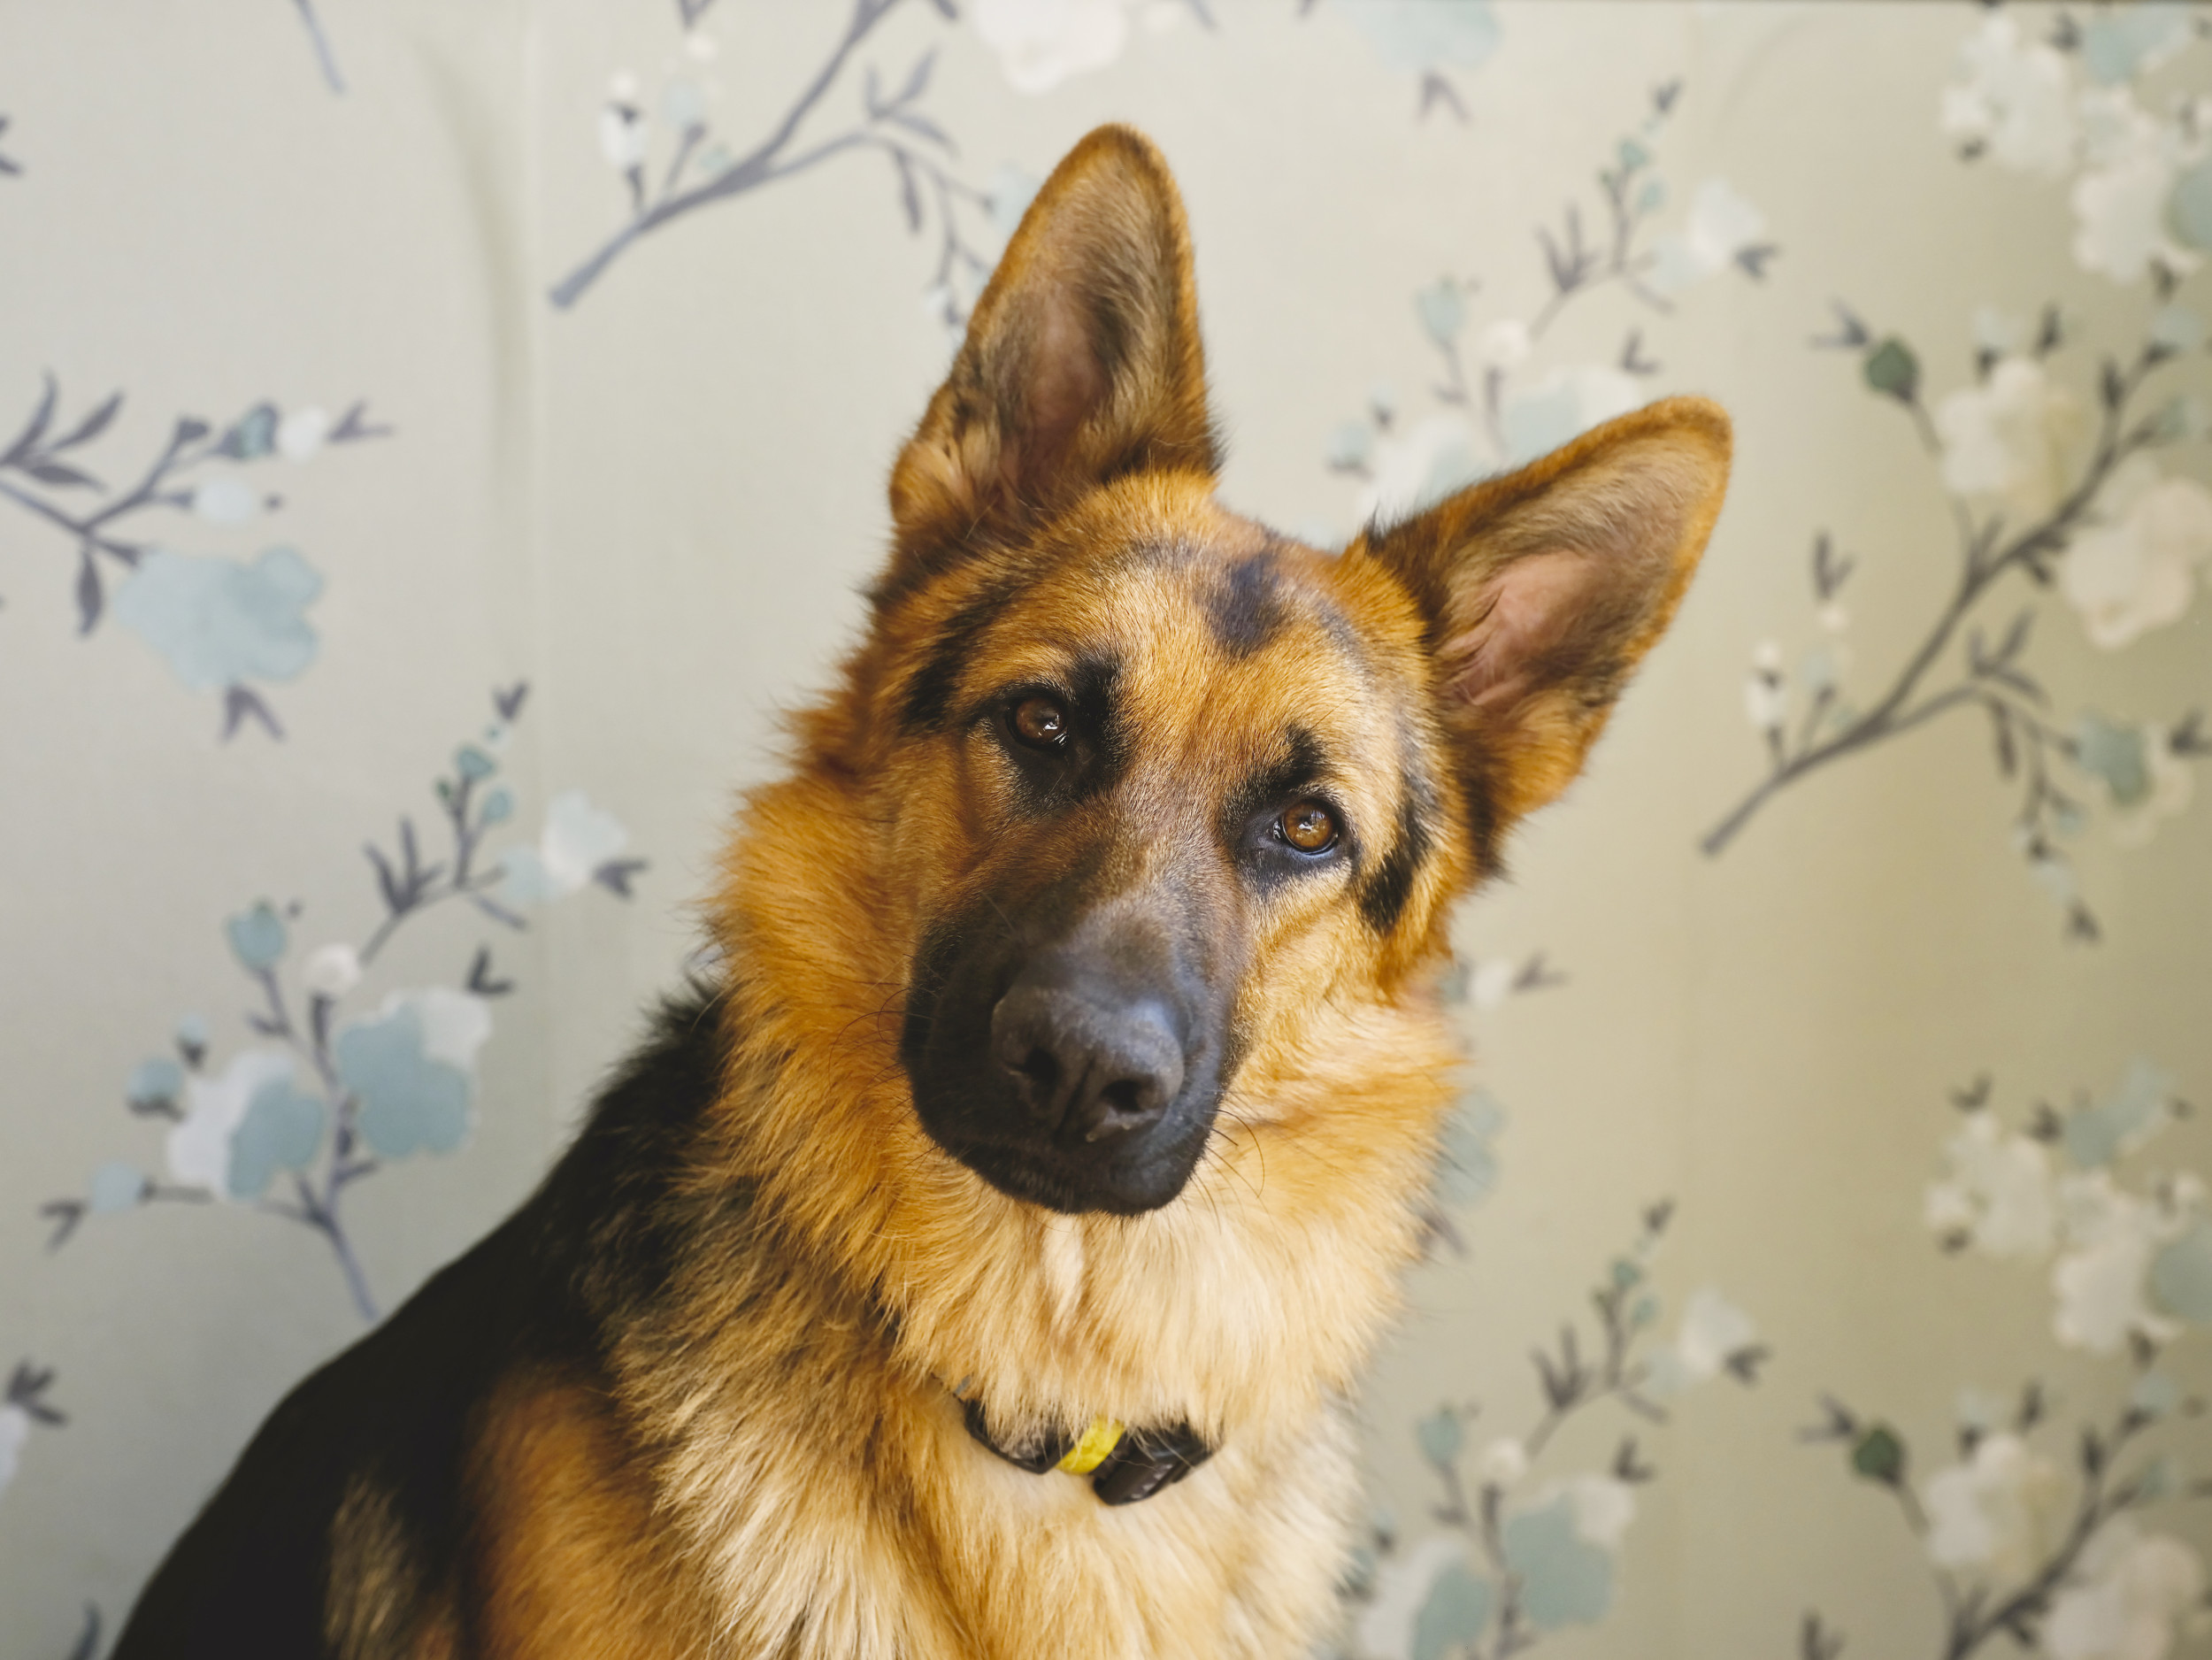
pixel 1082 361
pixel 1543 590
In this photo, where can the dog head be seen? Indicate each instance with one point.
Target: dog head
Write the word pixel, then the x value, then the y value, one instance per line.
pixel 1085 961
pixel 1165 784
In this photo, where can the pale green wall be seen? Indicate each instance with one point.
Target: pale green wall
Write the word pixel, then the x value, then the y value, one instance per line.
pixel 655 506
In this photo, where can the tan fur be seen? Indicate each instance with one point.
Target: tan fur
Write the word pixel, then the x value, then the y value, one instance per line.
pixel 778 1467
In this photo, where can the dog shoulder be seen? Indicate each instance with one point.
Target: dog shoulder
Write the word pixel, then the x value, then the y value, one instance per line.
pixel 352 1524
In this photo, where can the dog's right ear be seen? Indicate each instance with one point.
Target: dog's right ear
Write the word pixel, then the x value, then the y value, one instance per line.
pixel 1082 363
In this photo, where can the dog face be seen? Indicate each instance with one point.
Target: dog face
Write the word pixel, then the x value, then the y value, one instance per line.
pixel 1181 797
pixel 1160 791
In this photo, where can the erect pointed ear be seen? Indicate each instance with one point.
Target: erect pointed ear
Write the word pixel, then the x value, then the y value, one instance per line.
pixel 1081 363
pixel 1543 590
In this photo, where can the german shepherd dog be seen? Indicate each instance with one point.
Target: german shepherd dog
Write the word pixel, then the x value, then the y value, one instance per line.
pixel 984 1264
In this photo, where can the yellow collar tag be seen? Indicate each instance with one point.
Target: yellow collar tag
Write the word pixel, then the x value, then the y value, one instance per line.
pixel 1097 1443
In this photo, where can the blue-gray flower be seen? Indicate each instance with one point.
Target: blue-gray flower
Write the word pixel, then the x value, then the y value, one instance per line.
pixel 219 622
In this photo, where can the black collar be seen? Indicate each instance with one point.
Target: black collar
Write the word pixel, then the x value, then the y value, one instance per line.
pixel 1124 1465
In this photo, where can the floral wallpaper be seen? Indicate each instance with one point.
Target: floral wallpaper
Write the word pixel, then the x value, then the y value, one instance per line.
pixel 415 503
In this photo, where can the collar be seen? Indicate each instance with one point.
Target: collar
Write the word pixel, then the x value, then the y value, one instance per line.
pixel 1124 1465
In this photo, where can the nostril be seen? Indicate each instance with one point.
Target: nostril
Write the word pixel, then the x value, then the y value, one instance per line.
pixel 1039 1069
pixel 1122 1106
pixel 1127 1096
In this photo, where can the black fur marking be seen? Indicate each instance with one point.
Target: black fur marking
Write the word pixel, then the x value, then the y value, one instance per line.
pixel 1249 606
pixel 1482 815
pixel 929 694
pixel 1384 891
pixel 396 1413
pixel 1093 757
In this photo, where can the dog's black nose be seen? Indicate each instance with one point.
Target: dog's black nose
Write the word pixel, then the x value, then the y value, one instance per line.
pixel 1087 1070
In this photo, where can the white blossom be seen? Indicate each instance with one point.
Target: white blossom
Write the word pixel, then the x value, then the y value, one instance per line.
pixel 577 839
pixel 2120 214
pixel 1420 465
pixel 1041 43
pixel 2101 1278
pixel 198 1147
pixel 2138 570
pixel 2016 99
pixel 2006 440
pixel 1503 345
pixel 1504 1462
pixel 1604 1507
pixel 1492 981
pixel 1722 224
pixel 1713 1329
pixel 622 135
pixel 331 970
pixel 302 432
pixel 224 498
pixel 2130 1593
pixel 1999 1191
pixel 1386 1625
pixel 1998 1512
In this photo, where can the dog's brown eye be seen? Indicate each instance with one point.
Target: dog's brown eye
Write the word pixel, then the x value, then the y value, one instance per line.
pixel 1308 826
pixel 1040 722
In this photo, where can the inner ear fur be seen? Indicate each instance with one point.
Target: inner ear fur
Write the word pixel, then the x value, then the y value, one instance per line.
pixel 1082 362
pixel 1542 589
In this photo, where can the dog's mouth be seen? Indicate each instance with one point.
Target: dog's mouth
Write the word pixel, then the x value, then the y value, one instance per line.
pixel 1077 1179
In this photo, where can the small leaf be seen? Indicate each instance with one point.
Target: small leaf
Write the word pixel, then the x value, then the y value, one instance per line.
pixel 354 424
pixel 1892 369
pixel 1754 260
pixel 1743 1366
pixel 88 1637
pixel 251 435
pixel 509 703
pixel 242 701
pixel 189 430
pixel 61 475
pixel 616 875
pixel 481 978
pixel 915 122
pixel 1839 1423
pixel 1441 1436
pixel 2111 385
pixel 1555 262
pixel 917 81
pixel 66 1214
pixel 1879 1456
pixel 257 937
pixel 90 596
pixel 36 428
pixel 909 196
pixel 1816 1641
pixel 1436 90
pixel 1628 1464
pixel 91 427
pixel 1850 334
